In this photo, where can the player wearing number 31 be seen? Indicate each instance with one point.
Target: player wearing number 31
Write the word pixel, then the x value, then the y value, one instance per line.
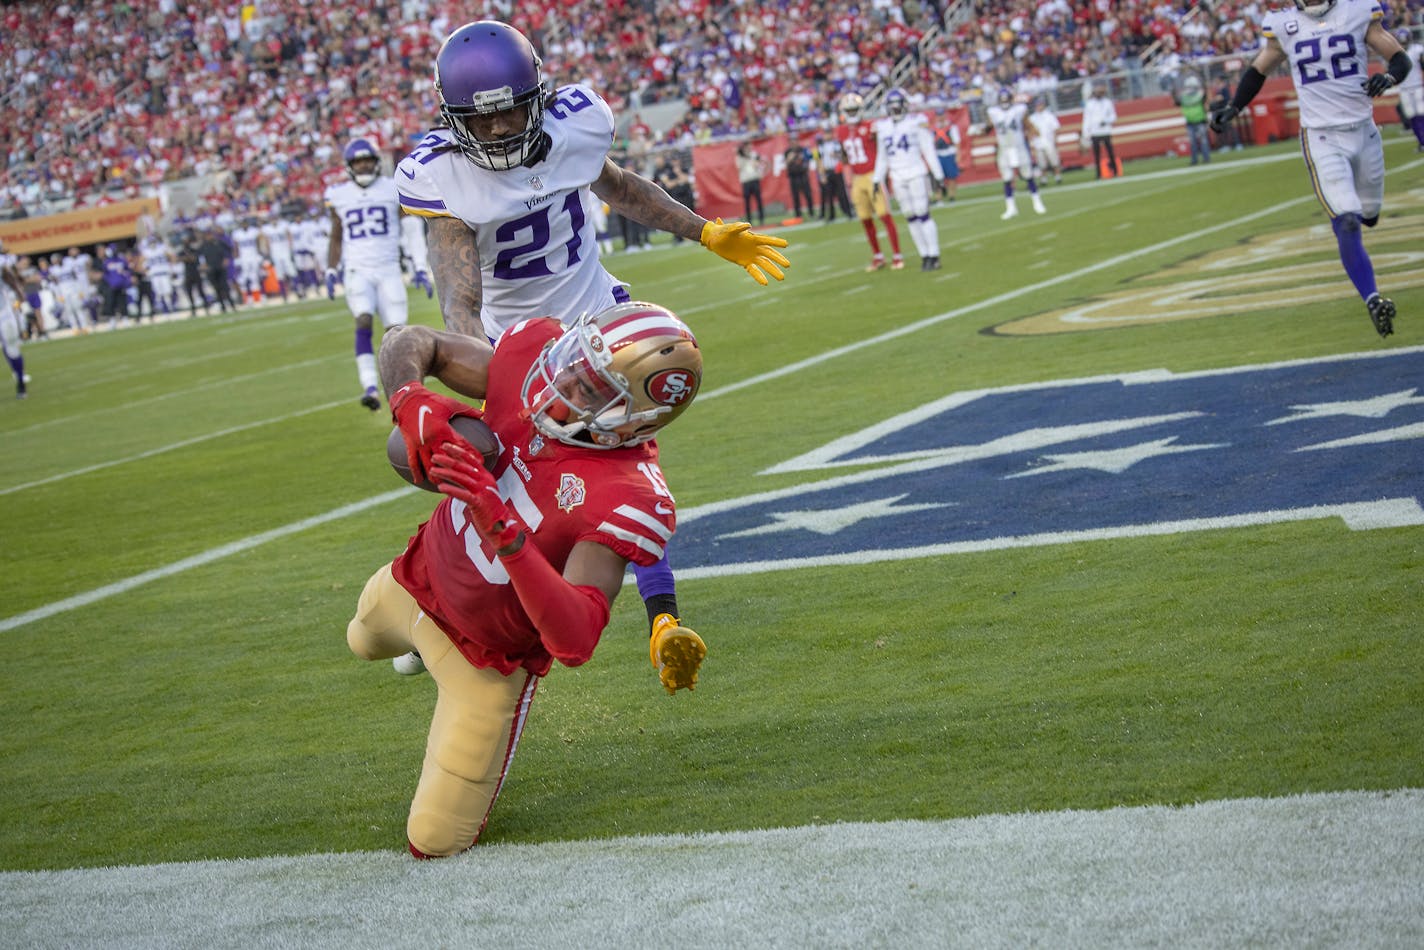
pixel 508 187
pixel 1327 44
pixel 520 565
pixel 367 237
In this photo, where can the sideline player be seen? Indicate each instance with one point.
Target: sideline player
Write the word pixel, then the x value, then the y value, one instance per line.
pixel 1327 45
pixel 247 259
pixel 1044 143
pixel 508 188
pixel 856 136
pixel 905 153
pixel 366 237
pixel 12 291
pixel 1411 89
pixel 520 566
pixel 1013 156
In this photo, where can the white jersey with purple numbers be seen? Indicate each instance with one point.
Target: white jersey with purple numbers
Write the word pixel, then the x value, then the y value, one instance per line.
pixel 534 226
pixel 1328 61
pixel 905 148
pixel 1411 91
pixel 279 247
pixel 1008 122
pixel 370 222
pixel 244 244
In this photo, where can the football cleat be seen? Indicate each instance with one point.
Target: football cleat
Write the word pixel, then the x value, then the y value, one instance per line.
pixel 409 664
pixel 1011 211
pixel 677 653
pixel 370 400
pixel 898 263
pixel 1038 207
pixel 1381 314
pixel 876 263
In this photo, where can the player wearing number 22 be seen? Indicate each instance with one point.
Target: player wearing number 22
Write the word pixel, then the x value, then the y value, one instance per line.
pixel 519 566
pixel 508 186
pixel 1327 44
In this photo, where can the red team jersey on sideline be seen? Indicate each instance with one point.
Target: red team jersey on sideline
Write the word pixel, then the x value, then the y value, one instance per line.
pixel 559 494
pixel 858 143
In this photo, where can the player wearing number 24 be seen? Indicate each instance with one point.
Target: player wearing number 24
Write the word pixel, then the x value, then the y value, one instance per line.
pixel 519 566
pixel 1327 45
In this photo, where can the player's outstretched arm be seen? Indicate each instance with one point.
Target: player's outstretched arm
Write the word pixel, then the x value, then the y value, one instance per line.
pixel 1253 77
pixel 455 264
pixel 636 197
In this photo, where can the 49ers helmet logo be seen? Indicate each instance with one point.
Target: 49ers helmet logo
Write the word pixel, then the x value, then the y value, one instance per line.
pixel 672 387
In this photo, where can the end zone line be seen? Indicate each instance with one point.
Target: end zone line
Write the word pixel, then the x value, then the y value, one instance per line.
pixel 198 560
pixel 172 446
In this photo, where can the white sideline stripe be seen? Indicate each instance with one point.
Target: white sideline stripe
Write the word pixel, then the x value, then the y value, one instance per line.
pixel 1008 296
pixel 198 560
pixel 208 386
pixel 196 440
pixel 1314 869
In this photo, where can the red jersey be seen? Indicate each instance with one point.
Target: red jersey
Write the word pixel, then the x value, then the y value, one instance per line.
pixel 858 143
pixel 559 494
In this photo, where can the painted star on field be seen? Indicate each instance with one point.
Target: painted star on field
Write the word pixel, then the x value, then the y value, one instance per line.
pixel 1116 461
pixel 836 519
pixel 1376 407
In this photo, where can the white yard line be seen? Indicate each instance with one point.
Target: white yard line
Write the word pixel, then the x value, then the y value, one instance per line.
pixel 198 560
pixel 196 440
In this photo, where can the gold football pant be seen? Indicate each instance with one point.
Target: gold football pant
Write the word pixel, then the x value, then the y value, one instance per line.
pixel 479 715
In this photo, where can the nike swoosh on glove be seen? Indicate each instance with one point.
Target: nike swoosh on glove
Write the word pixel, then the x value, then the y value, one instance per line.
pixel 424 420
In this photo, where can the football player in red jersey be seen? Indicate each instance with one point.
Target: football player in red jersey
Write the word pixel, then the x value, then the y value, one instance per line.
pixel 857 137
pixel 519 566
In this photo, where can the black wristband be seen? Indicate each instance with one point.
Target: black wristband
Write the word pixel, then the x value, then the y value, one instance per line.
pixel 1399 66
pixel 1252 79
pixel 513 547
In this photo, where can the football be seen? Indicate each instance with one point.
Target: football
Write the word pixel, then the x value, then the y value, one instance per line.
pixel 472 430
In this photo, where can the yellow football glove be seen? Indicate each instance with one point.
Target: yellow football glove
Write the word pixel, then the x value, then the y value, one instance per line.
pixel 738 243
pixel 676 652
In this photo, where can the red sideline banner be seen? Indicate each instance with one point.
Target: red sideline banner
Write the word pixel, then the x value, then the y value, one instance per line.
pixel 1146 128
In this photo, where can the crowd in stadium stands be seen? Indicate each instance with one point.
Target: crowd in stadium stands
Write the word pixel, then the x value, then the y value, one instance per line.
pixel 107 100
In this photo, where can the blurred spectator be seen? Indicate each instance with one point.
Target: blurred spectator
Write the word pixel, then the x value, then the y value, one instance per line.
pixel 1099 116
pixel 1192 99
pixel 751 168
pixel 798 175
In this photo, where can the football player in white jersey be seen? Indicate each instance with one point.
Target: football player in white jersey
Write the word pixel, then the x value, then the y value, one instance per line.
pixel 1007 118
pixel 906 155
pixel 367 234
pixel 1045 126
pixel 508 187
pixel 1327 45
pixel 275 244
pixel 75 289
pixel 1411 89
pixel 247 257
pixel 12 292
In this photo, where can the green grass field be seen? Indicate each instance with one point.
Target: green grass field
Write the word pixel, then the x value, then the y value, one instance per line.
pixel 189 511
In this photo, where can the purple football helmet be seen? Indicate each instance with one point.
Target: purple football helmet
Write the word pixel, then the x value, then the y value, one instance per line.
pixel 896 102
pixel 487 67
pixel 356 151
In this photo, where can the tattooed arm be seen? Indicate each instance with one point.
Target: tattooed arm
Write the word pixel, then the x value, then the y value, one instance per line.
pixel 410 353
pixel 636 197
pixel 455 265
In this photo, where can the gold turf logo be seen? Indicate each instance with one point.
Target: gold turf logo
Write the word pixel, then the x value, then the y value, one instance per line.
pixel 1269 272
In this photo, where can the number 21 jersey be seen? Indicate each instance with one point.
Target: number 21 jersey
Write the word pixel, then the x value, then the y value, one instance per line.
pixel 1328 60
pixel 533 224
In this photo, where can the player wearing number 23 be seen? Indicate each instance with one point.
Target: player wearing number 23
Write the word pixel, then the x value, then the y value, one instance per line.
pixel 520 565
pixel 1327 45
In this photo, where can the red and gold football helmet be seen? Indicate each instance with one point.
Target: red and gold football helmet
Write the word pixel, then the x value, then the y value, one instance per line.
pixel 614 378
